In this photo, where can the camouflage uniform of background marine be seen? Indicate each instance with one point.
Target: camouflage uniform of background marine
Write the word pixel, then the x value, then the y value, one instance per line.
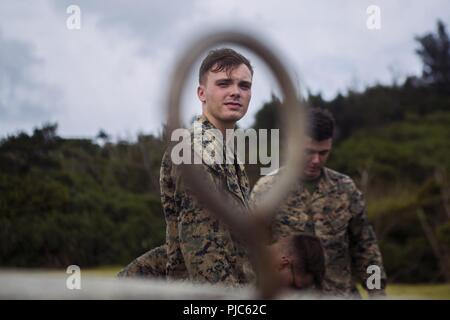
pixel 334 212
pixel 198 246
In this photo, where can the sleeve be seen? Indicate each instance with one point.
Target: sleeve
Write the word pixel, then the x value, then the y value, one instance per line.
pixel 364 248
pixel 259 190
pixel 206 244
pixel 150 264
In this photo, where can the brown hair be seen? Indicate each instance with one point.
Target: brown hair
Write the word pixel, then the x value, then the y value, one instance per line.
pixel 309 257
pixel 321 124
pixel 222 59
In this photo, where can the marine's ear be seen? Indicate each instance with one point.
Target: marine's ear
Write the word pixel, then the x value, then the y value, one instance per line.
pixel 201 93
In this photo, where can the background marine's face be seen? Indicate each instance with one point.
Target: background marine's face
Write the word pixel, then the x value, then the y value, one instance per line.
pixel 316 155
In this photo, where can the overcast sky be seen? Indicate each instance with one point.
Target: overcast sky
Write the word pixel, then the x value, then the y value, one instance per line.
pixel 113 72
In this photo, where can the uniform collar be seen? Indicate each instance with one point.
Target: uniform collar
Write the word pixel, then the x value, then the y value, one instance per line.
pixel 326 183
pixel 212 143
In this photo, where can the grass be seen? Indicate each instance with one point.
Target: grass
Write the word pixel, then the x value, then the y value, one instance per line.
pixel 420 291
pixel 105 271
pixel 415 291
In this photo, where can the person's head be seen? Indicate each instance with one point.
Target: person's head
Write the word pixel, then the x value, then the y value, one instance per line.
pixel 319 142
pixel 299 261
pixel 225 82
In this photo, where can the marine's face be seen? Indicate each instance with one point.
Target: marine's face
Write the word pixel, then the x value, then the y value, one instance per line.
pixel 225 97
pixel 316 154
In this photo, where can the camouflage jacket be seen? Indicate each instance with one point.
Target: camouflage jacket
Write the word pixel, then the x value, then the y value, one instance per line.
pixel 335 212
pixel 199 247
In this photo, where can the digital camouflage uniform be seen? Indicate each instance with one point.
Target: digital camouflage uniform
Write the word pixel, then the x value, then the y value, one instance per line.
pixel 151 264
pixel 335 213
pixel 199 247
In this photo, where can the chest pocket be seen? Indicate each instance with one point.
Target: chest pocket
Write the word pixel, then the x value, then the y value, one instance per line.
pixel 288 222
pixel 337 222
pixel 333 217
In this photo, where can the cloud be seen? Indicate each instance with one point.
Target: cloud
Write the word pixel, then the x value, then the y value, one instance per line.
pixel 154 23
pixel 114 72
pixel 23 99
pixel 105 81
